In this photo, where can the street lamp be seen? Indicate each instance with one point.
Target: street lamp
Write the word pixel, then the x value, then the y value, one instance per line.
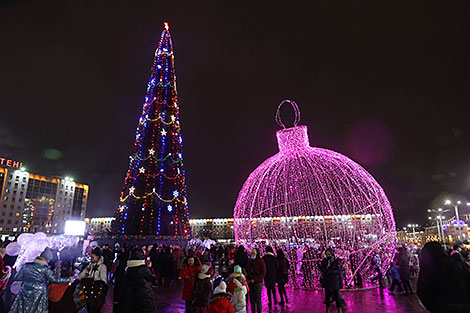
pixel 439 218
pixel 413 227
pixel 456 207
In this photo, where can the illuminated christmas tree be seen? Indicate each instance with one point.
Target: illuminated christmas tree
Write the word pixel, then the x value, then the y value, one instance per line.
pixel 153 199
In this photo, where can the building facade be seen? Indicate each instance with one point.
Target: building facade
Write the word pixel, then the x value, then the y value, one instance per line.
pixel 33 203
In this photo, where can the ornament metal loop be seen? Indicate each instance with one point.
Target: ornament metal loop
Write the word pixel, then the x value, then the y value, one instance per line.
pixel 296 112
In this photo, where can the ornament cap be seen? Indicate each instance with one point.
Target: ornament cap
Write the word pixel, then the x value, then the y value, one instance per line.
pixel 293 138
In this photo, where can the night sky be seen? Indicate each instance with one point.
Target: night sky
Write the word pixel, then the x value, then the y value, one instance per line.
pixel 386 84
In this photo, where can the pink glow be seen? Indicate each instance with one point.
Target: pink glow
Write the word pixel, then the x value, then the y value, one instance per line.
pixel 305 199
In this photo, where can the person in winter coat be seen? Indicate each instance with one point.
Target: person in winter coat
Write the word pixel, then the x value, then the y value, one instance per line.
pixel 395 278
pixel 32 297
pixel 271 273
pixel 108 257
pixel 165 267
pixel 202 290
pixel 237 272
pixel 240 257
pixel 119 276
pixel 377 266
pixel 443 284
pixel 403 263
pixel 282 276
pixel 220 300
pixel 96 270
pixel 189 272
pixel 256 270
pixel 239 292
pixel 456 254
pixel 332 280
pixel 223 266
pixel 136 296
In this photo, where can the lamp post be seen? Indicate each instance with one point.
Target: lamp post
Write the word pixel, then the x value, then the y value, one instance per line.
pixel 456 207
pixel 439 218
pixel 413 227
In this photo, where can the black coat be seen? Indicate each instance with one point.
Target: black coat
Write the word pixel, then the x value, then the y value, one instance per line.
pixel 137 296
pixel 202 292
pixel 282 271
pixel 331 274
pixel 241 258
pixel 444 286
pixel 271 269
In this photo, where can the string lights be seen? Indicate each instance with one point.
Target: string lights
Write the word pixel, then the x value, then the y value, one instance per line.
pixel 153 200
pixel 306 199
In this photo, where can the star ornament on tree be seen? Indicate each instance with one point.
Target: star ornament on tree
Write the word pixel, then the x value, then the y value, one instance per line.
pixel 151 151
pixel 163 132
pixel 131 190
pixel 142 170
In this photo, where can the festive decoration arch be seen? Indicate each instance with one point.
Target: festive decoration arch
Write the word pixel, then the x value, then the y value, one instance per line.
pixel 306 199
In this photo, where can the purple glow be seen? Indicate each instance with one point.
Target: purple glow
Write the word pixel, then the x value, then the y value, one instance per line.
pixel 305 199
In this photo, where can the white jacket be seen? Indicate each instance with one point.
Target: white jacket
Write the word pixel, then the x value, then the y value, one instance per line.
pixel 239 296
pixel 97 271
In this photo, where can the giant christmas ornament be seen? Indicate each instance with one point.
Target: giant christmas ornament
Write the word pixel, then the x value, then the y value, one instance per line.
pixel 305 199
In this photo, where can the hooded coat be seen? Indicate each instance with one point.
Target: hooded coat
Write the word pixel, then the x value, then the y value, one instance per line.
pixel 331 269
pixel 136 295
pixel 188 276
pixel 220 303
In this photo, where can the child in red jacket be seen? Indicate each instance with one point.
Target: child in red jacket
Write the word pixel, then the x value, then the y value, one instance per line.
pixel 220 300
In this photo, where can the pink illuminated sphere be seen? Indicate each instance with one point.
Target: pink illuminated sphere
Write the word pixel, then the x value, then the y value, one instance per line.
pixel 306 199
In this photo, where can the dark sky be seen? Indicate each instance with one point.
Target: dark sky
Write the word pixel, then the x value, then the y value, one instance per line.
pixel 386 84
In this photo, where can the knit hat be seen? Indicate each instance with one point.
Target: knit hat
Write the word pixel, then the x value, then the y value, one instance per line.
pixel 237 269
pixel 47 254
pixel 221 288
pixel 204 268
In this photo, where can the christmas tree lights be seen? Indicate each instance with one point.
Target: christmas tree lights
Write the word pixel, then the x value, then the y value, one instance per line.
pixel 153 199
pixel 306 199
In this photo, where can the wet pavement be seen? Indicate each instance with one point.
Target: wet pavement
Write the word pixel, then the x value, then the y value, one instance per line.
pixel 369 300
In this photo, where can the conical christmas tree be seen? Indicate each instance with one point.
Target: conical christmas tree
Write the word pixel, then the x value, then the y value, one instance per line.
pixel 153 199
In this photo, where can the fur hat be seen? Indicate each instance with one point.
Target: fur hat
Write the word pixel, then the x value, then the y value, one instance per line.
pixel 204 268
pixel 221 288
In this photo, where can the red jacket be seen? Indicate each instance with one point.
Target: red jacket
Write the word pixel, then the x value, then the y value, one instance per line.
pixel 189 276
pixel 231 287
pixel 256 270
pixel 220 303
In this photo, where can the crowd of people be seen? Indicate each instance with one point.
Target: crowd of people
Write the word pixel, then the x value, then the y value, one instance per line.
pixel 217 278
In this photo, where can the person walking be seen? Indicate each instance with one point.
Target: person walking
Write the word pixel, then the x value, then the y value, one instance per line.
pixel 189 272
pixel 443 284
pixel 403 262
pixel 331 280
pixel 256 271
pixel 119 276
pixel 108 257
pixel 220 300
pixel 271 273
pixel 282 276
pixel 136 296
pixel 35 275
pixel 202 290
pixel 377 266
pixel 395 278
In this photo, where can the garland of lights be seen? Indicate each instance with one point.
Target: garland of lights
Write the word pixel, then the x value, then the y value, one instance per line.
pixel 305 199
